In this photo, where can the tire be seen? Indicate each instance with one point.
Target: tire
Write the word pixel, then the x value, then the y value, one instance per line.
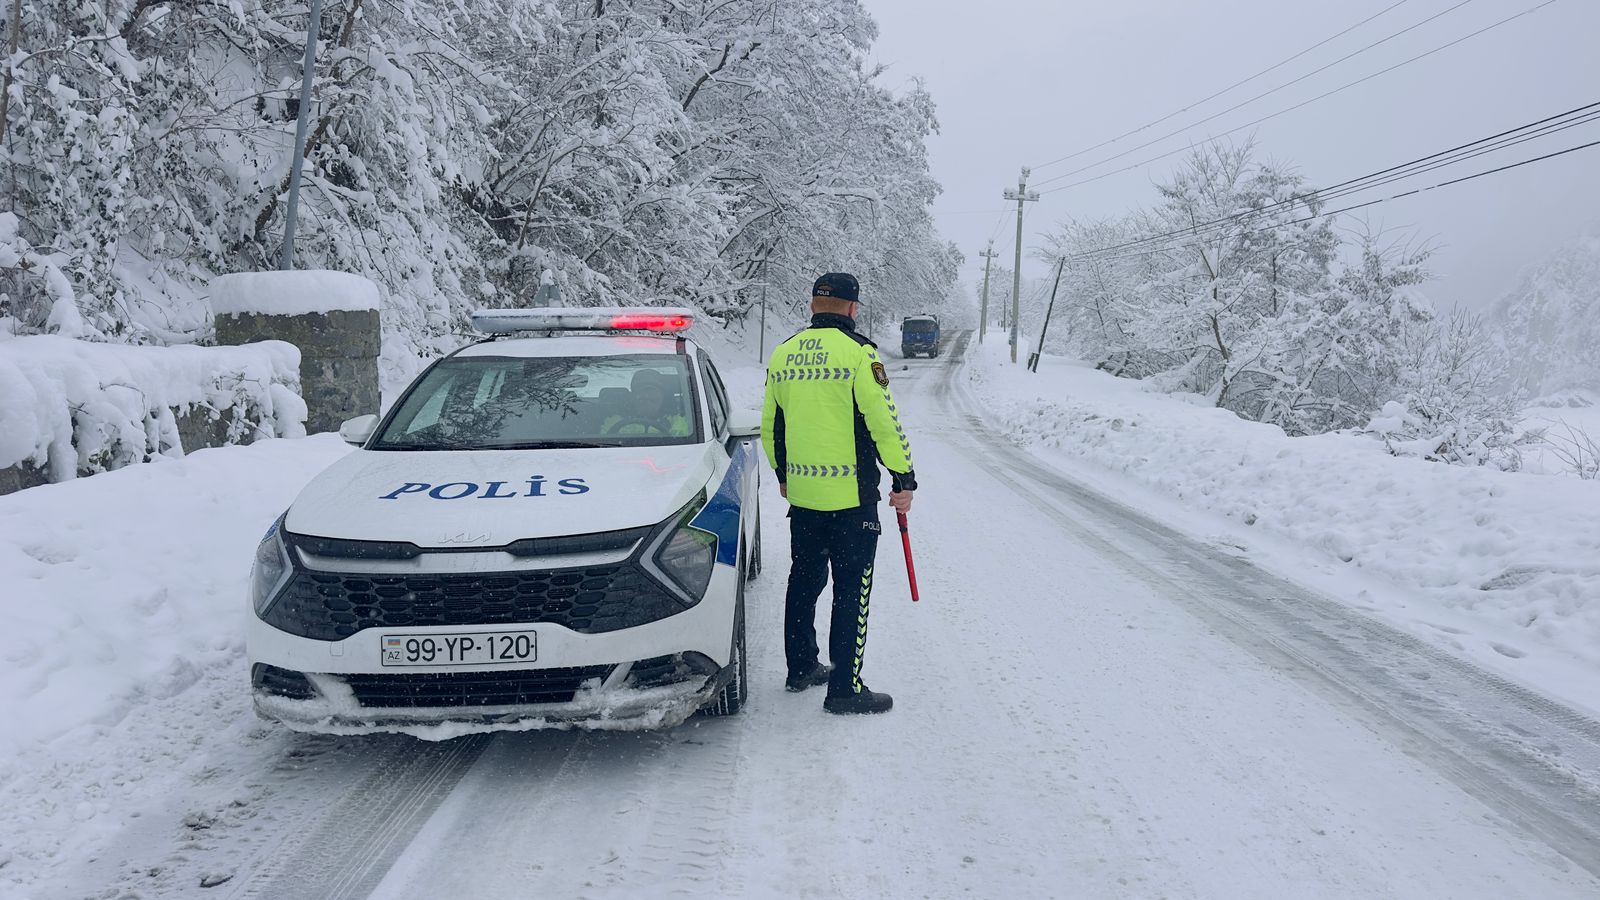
pixel 730 700
pixel 752 568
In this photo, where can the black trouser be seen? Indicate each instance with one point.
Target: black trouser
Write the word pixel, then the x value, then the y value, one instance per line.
pixel 847 538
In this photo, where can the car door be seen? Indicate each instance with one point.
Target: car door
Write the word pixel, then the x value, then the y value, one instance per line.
pixel 742 453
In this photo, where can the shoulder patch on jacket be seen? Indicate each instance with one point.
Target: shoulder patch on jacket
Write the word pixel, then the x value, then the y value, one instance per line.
pixel 879 375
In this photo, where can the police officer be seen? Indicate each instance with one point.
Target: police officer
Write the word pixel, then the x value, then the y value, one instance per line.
pixel 827 421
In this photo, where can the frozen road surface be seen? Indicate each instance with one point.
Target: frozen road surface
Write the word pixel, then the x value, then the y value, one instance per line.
pixel 1088 705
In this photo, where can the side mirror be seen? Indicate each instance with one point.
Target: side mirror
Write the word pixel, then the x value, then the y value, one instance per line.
pixel 358 430
pixel 744 423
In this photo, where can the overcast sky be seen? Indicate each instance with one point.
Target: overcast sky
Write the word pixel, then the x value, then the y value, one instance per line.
pixel 1021 83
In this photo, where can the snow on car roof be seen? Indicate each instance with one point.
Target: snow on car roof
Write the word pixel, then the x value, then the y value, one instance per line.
pixel 573 345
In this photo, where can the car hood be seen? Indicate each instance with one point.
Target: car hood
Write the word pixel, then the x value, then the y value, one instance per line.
pixel 489 498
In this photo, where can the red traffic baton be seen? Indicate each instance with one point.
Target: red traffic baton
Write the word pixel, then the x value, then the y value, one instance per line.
pixel 905 541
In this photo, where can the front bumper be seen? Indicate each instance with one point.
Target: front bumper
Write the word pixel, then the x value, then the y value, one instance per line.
pixel 600 700
pixel 597 694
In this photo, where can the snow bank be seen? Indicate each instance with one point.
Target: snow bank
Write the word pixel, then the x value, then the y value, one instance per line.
pixel 293 293
pixel 78 408
pixel 1518 554
pixel 121 594
pixel 122 589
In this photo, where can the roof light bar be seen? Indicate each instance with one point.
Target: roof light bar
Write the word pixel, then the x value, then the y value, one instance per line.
pixel 666 319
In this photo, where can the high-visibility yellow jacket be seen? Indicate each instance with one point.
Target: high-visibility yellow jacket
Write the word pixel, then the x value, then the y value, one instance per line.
pixel 828 418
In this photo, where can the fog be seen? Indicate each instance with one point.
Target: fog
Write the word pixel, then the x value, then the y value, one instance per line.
pixel 1022 83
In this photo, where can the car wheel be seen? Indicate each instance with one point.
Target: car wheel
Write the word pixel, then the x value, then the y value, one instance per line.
pixel 731 699
pixel 753 564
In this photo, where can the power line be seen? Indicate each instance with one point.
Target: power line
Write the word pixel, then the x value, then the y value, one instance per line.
pixel 1277 65
pixel 1502 144
pixel 998 220
pixel 1210 230
pixel 1243 103
pixel 1090 256
pixel 1280 112
pixel 1509 138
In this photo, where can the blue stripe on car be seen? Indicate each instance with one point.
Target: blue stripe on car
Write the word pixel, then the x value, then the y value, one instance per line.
pixel 720 515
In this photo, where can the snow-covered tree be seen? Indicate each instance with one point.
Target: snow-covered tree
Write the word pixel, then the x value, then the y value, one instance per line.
pixel 1243 292
pixel 640 151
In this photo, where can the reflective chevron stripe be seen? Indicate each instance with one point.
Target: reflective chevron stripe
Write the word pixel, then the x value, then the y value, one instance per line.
pixel 813 374
pixel 861 630
pixel 822 471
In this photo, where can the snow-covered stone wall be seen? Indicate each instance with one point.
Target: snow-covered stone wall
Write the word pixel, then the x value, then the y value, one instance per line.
pixel 71 408
pixel 332 317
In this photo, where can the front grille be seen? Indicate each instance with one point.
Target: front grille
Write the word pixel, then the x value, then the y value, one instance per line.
pixel 329 606
pixel 424 689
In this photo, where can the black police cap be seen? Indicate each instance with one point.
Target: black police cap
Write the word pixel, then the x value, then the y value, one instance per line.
pixel 837 285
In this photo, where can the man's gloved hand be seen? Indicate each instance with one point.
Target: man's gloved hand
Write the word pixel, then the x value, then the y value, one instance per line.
pixel 783 488
pixel 901 486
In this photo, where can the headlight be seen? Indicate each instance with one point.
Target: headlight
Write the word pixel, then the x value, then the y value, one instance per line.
pixel 271 568
pixel 687 554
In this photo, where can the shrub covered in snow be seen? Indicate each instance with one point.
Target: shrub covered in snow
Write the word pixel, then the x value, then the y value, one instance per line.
pixel 1455 401
pixel 76 408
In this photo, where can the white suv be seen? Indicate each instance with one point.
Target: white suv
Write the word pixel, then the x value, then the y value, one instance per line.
pixel 552 525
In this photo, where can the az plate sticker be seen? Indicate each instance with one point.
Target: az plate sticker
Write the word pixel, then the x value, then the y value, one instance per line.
pixel 879 374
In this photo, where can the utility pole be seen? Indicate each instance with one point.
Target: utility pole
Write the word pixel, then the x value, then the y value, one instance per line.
pixel 292 211
pixel 1033 360
pixel 1021 195
pixel 761 357
pixel 983 319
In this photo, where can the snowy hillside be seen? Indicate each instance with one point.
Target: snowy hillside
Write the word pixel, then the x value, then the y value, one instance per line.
pixel 1552 319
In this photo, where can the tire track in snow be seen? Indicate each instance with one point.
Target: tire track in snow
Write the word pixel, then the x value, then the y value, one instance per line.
pixel 1534 761
pixel 361 835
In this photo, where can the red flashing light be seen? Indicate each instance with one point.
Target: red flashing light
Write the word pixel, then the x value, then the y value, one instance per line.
pixel 649 323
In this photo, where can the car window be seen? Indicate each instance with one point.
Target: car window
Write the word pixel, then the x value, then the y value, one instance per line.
pixel 716 382
pixel 499 403
pixel 716 399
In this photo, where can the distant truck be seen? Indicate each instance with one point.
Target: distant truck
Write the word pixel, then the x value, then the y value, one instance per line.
pixel 919 334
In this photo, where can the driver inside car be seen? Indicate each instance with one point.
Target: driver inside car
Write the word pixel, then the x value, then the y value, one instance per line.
pixel 647 413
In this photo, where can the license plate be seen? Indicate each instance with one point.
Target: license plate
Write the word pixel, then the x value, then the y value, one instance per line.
pixel 485 648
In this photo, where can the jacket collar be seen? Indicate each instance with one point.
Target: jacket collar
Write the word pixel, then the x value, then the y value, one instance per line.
pixel 833 320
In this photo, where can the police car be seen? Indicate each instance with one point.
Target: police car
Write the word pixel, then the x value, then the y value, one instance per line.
pixel 553 524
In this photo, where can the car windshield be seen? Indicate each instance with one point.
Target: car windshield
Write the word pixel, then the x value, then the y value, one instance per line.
pixel 512 403
pixel 922 325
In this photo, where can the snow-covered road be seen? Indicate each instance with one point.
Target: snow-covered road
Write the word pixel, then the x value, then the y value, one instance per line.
pixel 1088 705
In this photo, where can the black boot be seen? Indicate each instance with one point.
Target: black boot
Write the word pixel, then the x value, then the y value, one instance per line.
pixel 819 674
pixel 866 701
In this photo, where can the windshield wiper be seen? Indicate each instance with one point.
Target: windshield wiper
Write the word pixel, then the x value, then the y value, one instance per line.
pixel 412 447
pixel 529 445
pixel 552 445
